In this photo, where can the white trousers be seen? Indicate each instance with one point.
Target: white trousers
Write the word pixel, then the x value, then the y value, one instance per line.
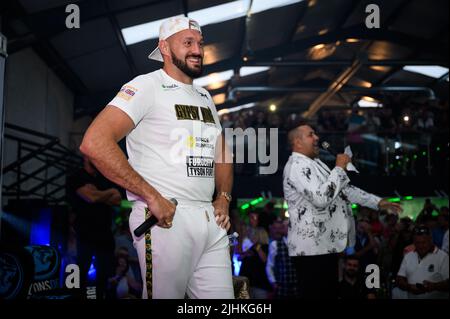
pixel 192 257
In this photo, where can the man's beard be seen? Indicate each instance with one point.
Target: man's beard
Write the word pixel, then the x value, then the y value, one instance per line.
pixel 182 65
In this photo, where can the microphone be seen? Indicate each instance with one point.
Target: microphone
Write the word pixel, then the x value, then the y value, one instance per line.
pixel 150 222
pixel 327 147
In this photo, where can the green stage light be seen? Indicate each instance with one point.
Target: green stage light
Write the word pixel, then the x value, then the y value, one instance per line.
pixel 252 203
pixel 256 201
pixel 394 200
pixel 126 204
pixel 408 197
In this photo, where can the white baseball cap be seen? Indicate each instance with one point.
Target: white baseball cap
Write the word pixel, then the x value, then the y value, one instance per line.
pixel 170 27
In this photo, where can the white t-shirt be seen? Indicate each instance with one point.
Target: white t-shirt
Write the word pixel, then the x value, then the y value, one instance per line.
pixel 173 143
pixel 433 267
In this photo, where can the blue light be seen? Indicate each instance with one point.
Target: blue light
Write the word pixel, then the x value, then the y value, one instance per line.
pixel 350 251
pixel 237 264
pixel 19 224
pixel 92 273
pixel 40 227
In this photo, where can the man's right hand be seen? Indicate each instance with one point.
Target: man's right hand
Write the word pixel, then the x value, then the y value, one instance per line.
pixel 342 160
pixel 163 209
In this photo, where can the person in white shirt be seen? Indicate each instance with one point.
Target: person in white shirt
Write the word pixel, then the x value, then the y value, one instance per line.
pixel 321 223
pixel 176 150
pixel 423 273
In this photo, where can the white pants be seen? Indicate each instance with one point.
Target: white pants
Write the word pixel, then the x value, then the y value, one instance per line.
pixel 192 257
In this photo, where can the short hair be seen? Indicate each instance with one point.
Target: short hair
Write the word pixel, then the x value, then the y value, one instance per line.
pixel 351 257
pixel 294 130
pixel 277 221
pixel 363 219
pixel 297 123
pixel 292 135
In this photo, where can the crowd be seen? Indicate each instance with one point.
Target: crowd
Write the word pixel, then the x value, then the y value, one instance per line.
pixel 382 239
pixel 384 120
pixel 409 141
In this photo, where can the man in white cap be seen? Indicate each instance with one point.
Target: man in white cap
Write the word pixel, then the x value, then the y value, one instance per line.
pixel 175 150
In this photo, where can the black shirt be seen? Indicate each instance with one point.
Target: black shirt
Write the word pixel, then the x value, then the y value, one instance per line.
pixel 93 220
pixel 255 269
pixel 356 291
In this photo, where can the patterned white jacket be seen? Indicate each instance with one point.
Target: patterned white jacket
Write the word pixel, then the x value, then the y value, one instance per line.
pixel 319 201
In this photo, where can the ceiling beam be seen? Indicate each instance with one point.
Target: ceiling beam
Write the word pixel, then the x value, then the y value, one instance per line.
pixel 311 63
pixel 115 24
pixel 51 22
pixel 314 89
pixel 361 32
pixel 185 5
pixel 51 57
pixel 302 12
pixel 413 57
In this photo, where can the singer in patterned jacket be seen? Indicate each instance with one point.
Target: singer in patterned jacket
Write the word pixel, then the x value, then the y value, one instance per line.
pixel 321 224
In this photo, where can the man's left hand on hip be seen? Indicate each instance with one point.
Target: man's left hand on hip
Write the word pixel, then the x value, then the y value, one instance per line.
pixel 221 211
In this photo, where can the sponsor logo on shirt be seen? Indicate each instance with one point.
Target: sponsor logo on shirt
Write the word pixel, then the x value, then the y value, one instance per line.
pixel 199 166
pixel 193 113
pixel 190 141
pixel 127 92
pixel 199 142
pixel 170 87
pixel 202 94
